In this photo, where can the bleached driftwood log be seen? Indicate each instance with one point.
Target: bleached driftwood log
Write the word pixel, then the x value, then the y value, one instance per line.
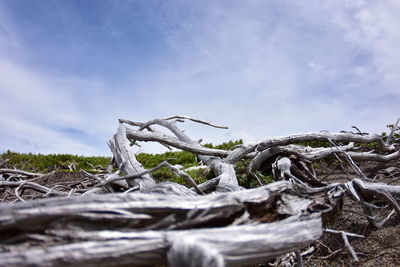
pixel 168 223
pixel 231 246
pixel 246 226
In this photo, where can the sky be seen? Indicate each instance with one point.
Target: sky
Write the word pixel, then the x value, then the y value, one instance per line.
pixel 70 69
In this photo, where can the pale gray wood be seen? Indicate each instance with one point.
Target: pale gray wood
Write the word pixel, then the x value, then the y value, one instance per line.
pixel 143 251
pixel 170 224
pixel 174 142
pixel 321 136
pixel 142 211
pixel 368 156
pixel 394 129
pixel 24 173
pixel 223 169
pixel 304 153
pixel 241 245
pixel 180 117
pixel 228 246
pixel 126 160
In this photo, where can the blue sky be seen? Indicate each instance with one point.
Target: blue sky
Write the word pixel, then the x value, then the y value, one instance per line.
pixel 70 69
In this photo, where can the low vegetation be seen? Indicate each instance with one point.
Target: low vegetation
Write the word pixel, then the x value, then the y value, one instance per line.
pixel 332 190
pixel 74 163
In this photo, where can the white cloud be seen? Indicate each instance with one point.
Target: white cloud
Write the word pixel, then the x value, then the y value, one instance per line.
pixel 379 31
pixel 262 74
pixel 34 112
pixel 28 95
pixel 370 26
pixel 24 136
pixel 262 69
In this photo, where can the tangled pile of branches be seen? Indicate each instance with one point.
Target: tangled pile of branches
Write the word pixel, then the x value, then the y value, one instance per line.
pixel 127 218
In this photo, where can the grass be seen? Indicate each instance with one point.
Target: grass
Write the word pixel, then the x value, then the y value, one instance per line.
pixel 60 162
pixel 48 163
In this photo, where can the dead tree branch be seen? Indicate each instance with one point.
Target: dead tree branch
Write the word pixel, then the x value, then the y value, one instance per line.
pixel 216 223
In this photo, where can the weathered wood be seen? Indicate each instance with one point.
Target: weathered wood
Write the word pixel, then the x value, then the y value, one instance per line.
pixel 168 223
pixel 142 211
pixel 22 185
pixel 227 246
pixel 126 160
pixel 322 136
pixel 24 173
pixel 394 129
pixel 241 245
pixel 174 142
pixel 223 168
pixel 142 251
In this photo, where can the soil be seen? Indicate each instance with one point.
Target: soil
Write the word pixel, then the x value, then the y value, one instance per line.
pixel 63 181
pixel 380 247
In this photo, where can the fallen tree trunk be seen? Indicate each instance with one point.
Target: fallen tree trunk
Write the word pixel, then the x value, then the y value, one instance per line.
pixel 147 210
pixel 232 246
pixel 271 220
pixel 153 223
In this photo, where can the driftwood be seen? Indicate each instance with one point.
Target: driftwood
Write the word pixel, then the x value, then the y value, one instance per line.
pixel 154 217
pixel 217 223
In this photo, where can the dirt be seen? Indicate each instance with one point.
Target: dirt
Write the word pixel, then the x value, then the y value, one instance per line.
pixel 62 181
pixel 380 247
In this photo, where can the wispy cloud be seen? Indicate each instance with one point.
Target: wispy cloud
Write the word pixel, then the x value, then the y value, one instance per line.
pixel 261 67
pixel 35 112
pixel 373 26
pixel 276 69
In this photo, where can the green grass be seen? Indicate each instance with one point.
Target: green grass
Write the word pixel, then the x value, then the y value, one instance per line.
pixel 47 163
pixel 59 162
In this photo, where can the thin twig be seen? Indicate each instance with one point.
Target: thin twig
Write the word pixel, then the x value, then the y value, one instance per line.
pixel 133 176
pixel 185 176
pixel 389 139
pixel 329 174
pixel 332 231
pixel 142 127
pixel 17 192
pixel 33 186
pixel 20 172
pixel 195 120
pixel 91 175
pixel 331 254
pixel 132 189
pixel 299 259
pixel 358 130
pixel 381 223
pixel 351 162
pixel 162 164
pixel 349 247
pixel 346 241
